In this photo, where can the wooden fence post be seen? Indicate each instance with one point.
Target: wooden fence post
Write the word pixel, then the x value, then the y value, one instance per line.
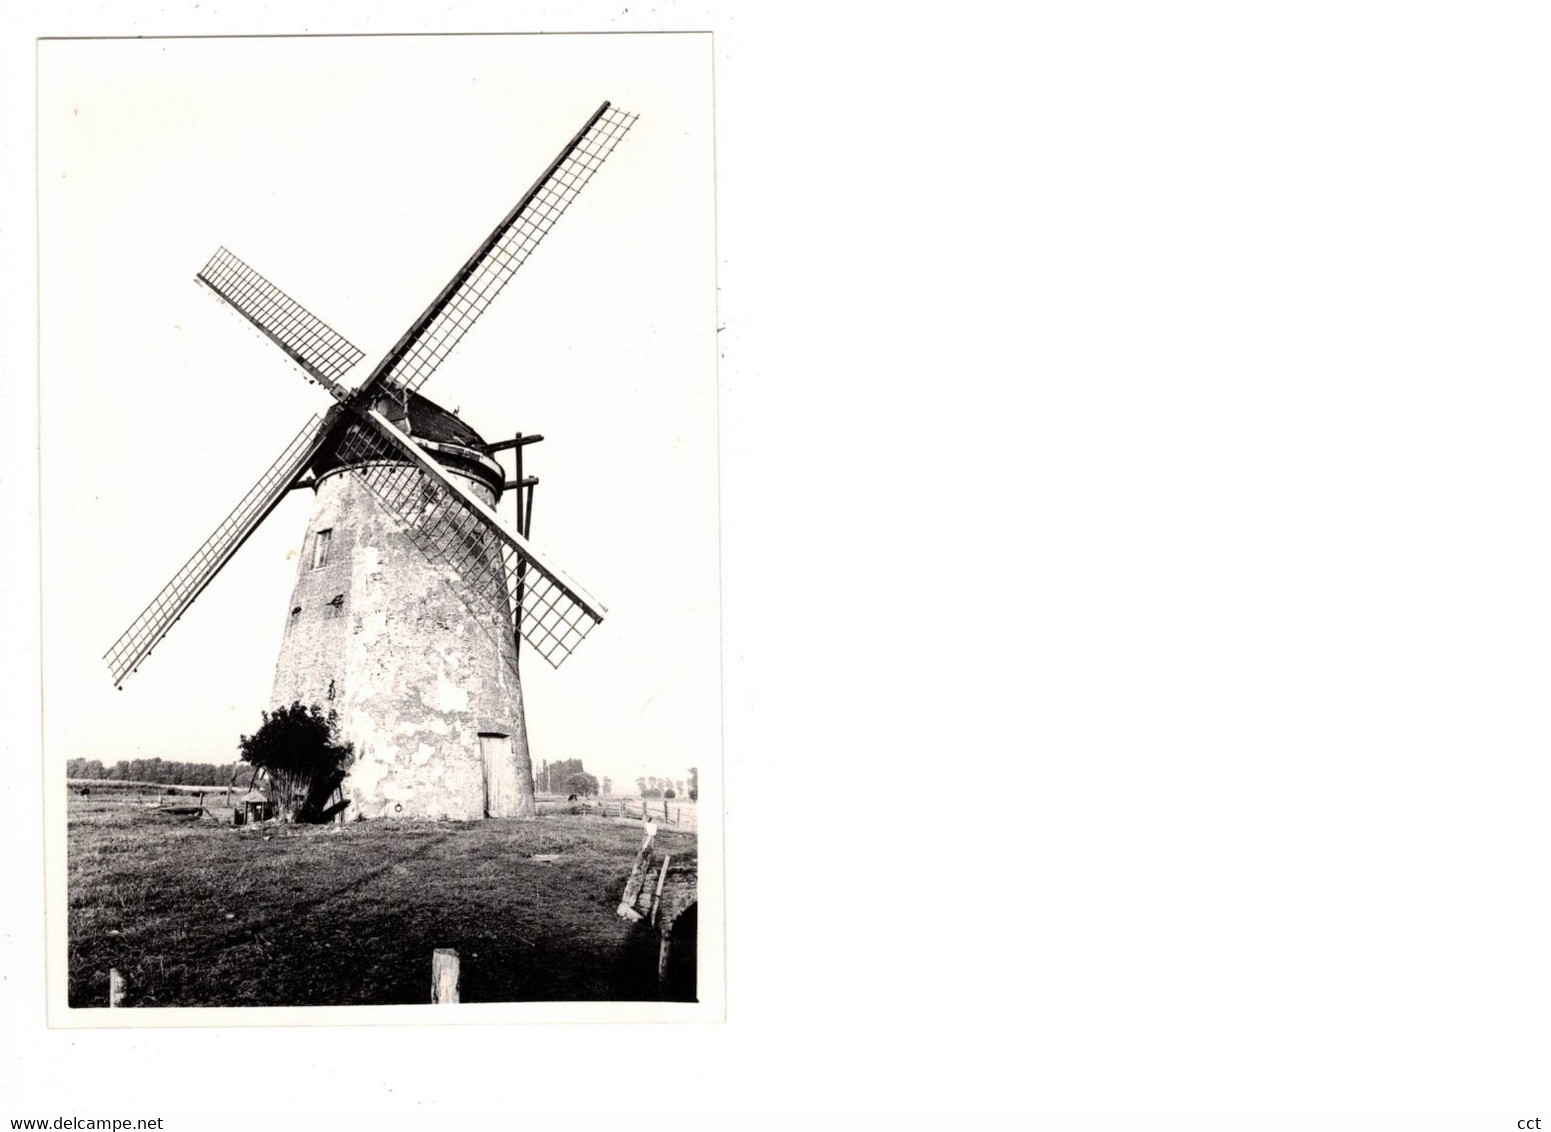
pixel 444 975
pixel 115 987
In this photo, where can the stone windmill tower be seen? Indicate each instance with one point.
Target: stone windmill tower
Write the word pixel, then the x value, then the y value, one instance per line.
pixel 411 592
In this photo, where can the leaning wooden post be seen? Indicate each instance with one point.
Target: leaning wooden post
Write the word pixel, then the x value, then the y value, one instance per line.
pixel 115 987
pixel 661 877
pixel 444 975
pixel 637 881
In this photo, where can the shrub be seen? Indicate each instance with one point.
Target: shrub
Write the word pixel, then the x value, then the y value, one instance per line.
pixel 582 784
pixel 297 746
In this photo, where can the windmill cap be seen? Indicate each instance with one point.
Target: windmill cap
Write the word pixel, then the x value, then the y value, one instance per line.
pixel 446 435
pixel 429 421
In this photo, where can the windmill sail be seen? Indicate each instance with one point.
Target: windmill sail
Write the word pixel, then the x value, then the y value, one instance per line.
pixel 177 595
pixel 499 569
pixel 551 612
pixel 309 341
pixel 442 324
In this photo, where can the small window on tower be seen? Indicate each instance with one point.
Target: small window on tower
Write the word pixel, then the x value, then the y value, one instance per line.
pixel 335 606
pixel 295 613
pixel 331 689
pixel 320 548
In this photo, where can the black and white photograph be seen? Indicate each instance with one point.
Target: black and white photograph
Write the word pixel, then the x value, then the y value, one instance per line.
pixel 386 368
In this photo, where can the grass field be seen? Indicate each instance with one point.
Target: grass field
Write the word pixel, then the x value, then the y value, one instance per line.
pixel 201 913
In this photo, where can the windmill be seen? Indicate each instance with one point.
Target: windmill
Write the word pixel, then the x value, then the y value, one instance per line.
pixel 411 592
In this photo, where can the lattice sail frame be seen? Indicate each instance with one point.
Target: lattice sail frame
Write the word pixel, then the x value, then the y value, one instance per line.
pixel 144 633
pixel 310 342
pixel 500 573
pixel 443 324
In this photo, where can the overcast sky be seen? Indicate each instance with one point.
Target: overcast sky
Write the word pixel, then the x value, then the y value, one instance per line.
pixel 358 174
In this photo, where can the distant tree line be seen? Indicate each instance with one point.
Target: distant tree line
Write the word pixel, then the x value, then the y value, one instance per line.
pixel 166 772
pixel 654 787
pixel 564 776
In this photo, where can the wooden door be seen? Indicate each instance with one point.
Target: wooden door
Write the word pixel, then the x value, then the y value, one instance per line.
pixel 500 765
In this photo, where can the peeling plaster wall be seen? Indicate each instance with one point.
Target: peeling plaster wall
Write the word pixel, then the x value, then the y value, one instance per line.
pixel 417 676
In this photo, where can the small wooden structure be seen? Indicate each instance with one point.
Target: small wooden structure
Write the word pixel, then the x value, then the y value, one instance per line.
pixel 253 806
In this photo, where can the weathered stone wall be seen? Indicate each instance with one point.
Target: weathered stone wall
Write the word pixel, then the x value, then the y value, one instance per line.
pixel 416 674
